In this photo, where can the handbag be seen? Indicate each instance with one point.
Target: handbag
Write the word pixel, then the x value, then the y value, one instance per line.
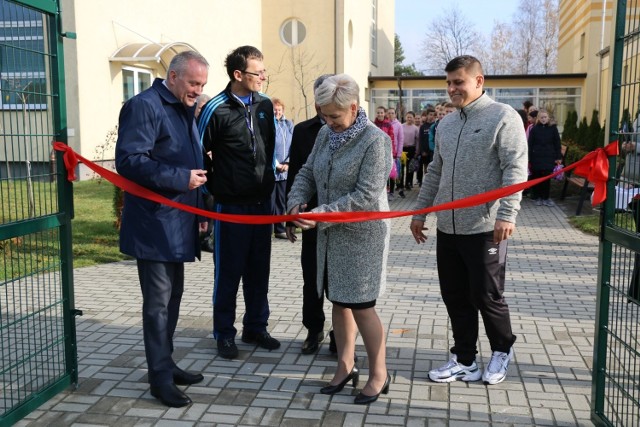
pixel 394 170
pixel 414 164
pixel 560 176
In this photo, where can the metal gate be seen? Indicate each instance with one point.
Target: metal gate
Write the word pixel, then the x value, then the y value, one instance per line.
pixel 616 365
pixel 37 325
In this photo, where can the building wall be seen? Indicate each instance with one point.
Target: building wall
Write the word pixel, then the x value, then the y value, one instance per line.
pixel 581 37
pixel 94 84
pixel 337 41
pixel 353 30
pixel 293 69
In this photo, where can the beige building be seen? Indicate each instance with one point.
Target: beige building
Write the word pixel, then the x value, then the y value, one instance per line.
pixel 583 44
pixel 122 45
pixel 306 38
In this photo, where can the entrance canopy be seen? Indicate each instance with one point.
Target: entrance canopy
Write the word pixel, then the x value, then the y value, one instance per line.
pixel 140 53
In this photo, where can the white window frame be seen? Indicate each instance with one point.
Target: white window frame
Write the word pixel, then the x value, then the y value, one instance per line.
pixel 136 78
pixel 295 40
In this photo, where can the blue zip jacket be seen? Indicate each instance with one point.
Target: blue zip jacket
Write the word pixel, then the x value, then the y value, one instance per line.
pixel 157 147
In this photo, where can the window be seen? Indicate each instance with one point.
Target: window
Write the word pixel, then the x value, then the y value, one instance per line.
pixel 420 98
pixel 514 96
pixel 292 32
pixel 374 32
pixel 582 43
pixel 134 81
pixel 23 83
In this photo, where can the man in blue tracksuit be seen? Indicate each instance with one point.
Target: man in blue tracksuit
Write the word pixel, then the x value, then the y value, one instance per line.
pixel 237 126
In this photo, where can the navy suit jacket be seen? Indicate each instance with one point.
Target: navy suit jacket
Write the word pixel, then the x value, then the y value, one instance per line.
pixel 158 146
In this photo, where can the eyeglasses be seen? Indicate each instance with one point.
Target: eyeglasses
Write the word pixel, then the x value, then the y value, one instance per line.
pixel 262 73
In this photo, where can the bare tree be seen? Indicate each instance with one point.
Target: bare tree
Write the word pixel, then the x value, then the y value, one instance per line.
pixel 451 34
pixel 527 28
pixel 535 27
pixel 549 39
pixel 305 70
pixel 497 56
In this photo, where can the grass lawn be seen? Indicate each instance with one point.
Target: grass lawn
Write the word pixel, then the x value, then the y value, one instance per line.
pixel 590 224
pixel 95 239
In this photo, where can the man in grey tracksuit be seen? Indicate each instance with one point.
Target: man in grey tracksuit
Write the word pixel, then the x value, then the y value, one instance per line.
pixel 479 148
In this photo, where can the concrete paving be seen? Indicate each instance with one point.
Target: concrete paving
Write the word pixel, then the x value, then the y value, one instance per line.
pixel 551 285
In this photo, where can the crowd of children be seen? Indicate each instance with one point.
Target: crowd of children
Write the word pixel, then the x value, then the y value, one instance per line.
pixel 413 143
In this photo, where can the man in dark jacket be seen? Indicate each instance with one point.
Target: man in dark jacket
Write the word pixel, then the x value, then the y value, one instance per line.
pixel 313 318
pixel 237 126
pixel 158 148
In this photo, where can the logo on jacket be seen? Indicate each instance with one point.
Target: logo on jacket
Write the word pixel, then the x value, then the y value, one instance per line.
pixel 492 251
pixel 261 115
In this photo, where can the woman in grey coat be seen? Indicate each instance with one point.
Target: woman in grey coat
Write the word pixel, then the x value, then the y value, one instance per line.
pixel 348 169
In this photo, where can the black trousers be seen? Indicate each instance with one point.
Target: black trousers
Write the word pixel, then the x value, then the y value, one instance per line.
pixel 313 317
pixel 279 204
pixel 241 252
pixel 471 269
pixel 162 284
pixel 408 175
pixel 424 162
pixel 541 191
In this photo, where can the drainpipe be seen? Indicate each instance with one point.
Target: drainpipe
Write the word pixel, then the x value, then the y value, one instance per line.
pixel 401 104
pixel 599 84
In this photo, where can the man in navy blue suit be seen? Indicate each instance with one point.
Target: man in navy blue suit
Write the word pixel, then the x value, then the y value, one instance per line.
pixel 158 147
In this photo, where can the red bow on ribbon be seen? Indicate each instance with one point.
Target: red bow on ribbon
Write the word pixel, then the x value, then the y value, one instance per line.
pixel 595 168
pixel 70 159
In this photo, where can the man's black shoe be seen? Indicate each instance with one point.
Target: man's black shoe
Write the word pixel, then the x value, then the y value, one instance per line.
pixel 227 348
pixel 312 342
pixel 181 377
pixel 332 342
pixel 170 395
pixel 263 339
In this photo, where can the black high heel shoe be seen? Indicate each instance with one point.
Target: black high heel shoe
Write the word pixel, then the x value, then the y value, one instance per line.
pixel 363 399
pixel 333 389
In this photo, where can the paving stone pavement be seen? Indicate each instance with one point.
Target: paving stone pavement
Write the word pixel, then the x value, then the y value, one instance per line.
pixel 551 284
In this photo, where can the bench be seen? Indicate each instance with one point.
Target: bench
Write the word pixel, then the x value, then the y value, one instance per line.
pixel 585 186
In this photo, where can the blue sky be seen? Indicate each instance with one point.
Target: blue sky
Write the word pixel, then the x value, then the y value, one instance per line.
pixel 414 16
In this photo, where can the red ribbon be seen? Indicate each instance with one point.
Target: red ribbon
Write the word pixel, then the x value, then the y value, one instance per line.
pixel 594 166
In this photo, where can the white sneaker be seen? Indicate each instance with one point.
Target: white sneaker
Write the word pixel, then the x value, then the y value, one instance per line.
pixel 548 202
pixel 496 371
pixel 452 371
pixel 539 202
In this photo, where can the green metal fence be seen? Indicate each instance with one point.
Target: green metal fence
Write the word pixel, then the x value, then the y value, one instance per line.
pixel 37 324
pixel 616 366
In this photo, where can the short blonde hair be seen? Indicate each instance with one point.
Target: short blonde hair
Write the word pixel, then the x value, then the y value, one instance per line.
pixel 277 101
pixel 340 89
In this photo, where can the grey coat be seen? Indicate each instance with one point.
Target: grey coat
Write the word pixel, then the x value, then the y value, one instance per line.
pixel 354 178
